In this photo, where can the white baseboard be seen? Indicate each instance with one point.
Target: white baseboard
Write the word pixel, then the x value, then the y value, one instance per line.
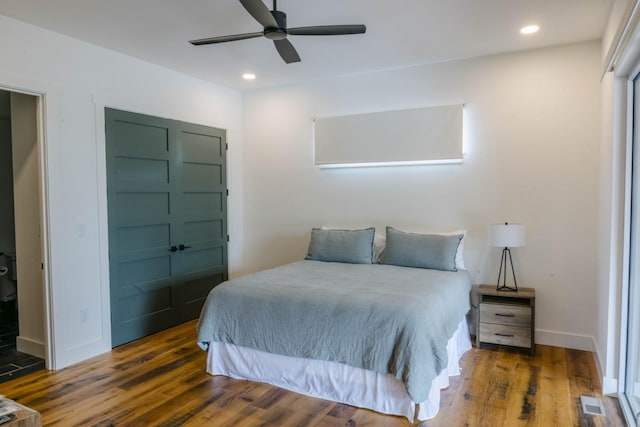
pixel 609 386
pixel 29 346
pixel 561 339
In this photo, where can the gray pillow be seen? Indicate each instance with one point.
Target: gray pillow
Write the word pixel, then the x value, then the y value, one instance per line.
pixel 349 246
pixel 434 251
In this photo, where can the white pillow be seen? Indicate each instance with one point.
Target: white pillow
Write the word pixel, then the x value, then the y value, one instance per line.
pixel 379 242
pixel 460 252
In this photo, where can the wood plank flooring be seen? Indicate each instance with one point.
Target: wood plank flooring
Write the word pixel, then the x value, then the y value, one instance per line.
pixel 161 381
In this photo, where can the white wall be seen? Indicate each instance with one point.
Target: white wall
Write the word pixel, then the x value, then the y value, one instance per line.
pixel 532 135
pixel 78 80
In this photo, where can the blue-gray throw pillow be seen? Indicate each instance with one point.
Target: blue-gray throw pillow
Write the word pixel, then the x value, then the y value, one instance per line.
pixel 434 251
pixel 349 246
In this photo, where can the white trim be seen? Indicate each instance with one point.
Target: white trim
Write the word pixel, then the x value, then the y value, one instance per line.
pixel 626 256
pixel 609 386
pixel 29 346
pixel 620 41
pixel 616 230
pixel 103 223
pixel 629 60
pixel 562 339
pixel 45 224
pixel 42 91
pixel 627 412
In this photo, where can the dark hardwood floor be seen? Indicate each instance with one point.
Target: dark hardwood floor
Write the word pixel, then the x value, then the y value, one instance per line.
pixel 161 381
pixel 13 364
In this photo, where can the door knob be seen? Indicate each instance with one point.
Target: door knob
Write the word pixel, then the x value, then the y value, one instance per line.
pixel 183 247
pixel 173 249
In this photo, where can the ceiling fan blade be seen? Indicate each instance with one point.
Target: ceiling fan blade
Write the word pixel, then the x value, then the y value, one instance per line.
pixel 222 39
pixel 260 13
pixel 327 30
pixel 287 51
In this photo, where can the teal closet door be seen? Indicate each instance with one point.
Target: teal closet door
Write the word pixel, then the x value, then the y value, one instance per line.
pixel 167 220
pixel 202 194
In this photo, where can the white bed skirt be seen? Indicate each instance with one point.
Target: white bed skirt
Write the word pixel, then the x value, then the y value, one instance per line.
pixel 335 381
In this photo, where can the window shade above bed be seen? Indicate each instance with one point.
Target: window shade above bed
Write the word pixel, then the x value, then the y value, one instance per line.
pixel 422 135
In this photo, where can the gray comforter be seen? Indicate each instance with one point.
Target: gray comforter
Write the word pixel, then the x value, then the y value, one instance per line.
pixel 382 318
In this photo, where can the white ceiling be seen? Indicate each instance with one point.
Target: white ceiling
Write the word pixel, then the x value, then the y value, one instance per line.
pixel 399 33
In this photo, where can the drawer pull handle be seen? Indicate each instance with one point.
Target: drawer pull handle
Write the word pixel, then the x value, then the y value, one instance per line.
pixel 506 315
pixel 504 335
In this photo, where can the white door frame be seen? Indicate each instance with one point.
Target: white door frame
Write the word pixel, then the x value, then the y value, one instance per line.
pixel 43 179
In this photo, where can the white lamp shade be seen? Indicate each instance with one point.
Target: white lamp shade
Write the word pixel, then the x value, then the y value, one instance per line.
pixel 506 235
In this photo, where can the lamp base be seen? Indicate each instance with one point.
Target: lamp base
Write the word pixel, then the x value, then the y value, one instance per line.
pixel 503 269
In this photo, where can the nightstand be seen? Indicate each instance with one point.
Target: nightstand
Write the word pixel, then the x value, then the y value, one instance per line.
pixel 506 317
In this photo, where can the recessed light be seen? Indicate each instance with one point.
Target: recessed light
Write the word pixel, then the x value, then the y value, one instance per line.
pixel 529 29
pixel 249 76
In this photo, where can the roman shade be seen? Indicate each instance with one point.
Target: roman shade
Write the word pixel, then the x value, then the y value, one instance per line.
pixel 414 136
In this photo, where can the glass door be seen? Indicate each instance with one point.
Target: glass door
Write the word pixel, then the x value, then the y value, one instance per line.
pixel 632 377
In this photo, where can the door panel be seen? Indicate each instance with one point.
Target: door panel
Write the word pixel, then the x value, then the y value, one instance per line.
pixel 130 169
pixel 166 187
pixel 195 203
pixel 140 136
pixel 143 237
pixel 194 289
pixel 153 301
pixel 202 259
pixel 142 204
pixel 203 195
pixel 139 198
pixel 197 231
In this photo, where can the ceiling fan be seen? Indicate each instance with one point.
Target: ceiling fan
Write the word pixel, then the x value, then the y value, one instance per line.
pixel 275 28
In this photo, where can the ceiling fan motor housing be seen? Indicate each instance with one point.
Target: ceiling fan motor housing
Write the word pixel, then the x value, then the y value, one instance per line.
pixel 279 32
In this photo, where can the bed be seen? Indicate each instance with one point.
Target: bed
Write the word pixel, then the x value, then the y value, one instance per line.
pixel 382 336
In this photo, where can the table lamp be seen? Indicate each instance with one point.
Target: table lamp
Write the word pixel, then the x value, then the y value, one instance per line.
pixel 506 236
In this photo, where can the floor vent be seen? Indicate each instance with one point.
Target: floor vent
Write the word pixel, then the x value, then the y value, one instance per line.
pixel 592 405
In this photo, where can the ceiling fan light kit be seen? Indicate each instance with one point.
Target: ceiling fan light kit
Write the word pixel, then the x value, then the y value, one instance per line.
pixel 274 23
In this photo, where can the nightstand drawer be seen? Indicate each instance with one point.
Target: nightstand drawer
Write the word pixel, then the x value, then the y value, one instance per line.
pixel 506 314
pixel 505 335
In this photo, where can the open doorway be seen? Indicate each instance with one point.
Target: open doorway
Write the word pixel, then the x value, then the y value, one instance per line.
pixel 22 348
